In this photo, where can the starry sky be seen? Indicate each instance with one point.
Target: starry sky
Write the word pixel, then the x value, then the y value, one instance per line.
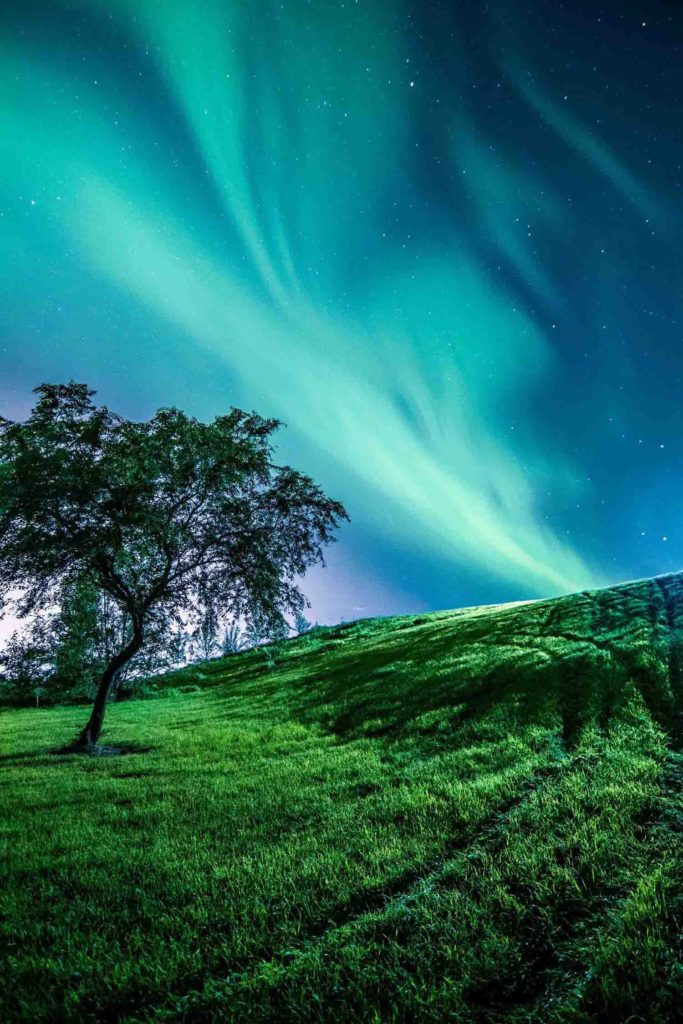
pixel 442 242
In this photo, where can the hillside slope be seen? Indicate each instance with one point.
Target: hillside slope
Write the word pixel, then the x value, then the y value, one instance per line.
pixel 472 816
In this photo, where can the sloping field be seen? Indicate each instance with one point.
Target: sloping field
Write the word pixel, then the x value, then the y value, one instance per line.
pixel 471 816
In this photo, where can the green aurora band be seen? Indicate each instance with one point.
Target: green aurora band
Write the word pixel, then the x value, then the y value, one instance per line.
pixel 252 191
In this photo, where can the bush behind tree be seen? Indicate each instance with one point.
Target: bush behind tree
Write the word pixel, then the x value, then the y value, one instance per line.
pixel 60 655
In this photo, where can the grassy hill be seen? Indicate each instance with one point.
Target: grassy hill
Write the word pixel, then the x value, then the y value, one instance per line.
pixel 471 816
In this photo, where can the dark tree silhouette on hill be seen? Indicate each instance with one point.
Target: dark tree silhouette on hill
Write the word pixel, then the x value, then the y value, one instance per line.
pixel 159 514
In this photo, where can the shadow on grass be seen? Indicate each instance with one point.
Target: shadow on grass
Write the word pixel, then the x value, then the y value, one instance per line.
pixel 100 750
pixel 46 755
pixel 573 667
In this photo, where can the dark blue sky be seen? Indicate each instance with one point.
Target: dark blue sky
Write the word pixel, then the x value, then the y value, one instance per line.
pixel 441 241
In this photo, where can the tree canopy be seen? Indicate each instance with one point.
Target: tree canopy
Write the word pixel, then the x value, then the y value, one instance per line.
pixel 161 515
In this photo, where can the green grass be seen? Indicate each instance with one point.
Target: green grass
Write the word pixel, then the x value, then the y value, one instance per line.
pixel 470 816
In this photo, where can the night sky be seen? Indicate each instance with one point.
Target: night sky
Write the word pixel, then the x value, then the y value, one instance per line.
pixel 441 241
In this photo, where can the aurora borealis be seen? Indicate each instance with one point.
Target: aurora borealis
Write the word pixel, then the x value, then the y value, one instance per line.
pixel 440 241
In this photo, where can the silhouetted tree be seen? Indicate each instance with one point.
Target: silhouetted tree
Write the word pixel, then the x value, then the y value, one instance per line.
pixel 26 663
pixel 60 654
pixel 153 512
pixel 206 634
pixel 234 639
pixel 78 642
pixel 301 624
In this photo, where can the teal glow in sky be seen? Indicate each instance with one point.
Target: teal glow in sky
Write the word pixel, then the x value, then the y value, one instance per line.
pixel 441 246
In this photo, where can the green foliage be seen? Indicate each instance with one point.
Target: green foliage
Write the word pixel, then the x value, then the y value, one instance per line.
pixel 471 816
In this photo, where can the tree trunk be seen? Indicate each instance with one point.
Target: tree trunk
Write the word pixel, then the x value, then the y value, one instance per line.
pixel 87 741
